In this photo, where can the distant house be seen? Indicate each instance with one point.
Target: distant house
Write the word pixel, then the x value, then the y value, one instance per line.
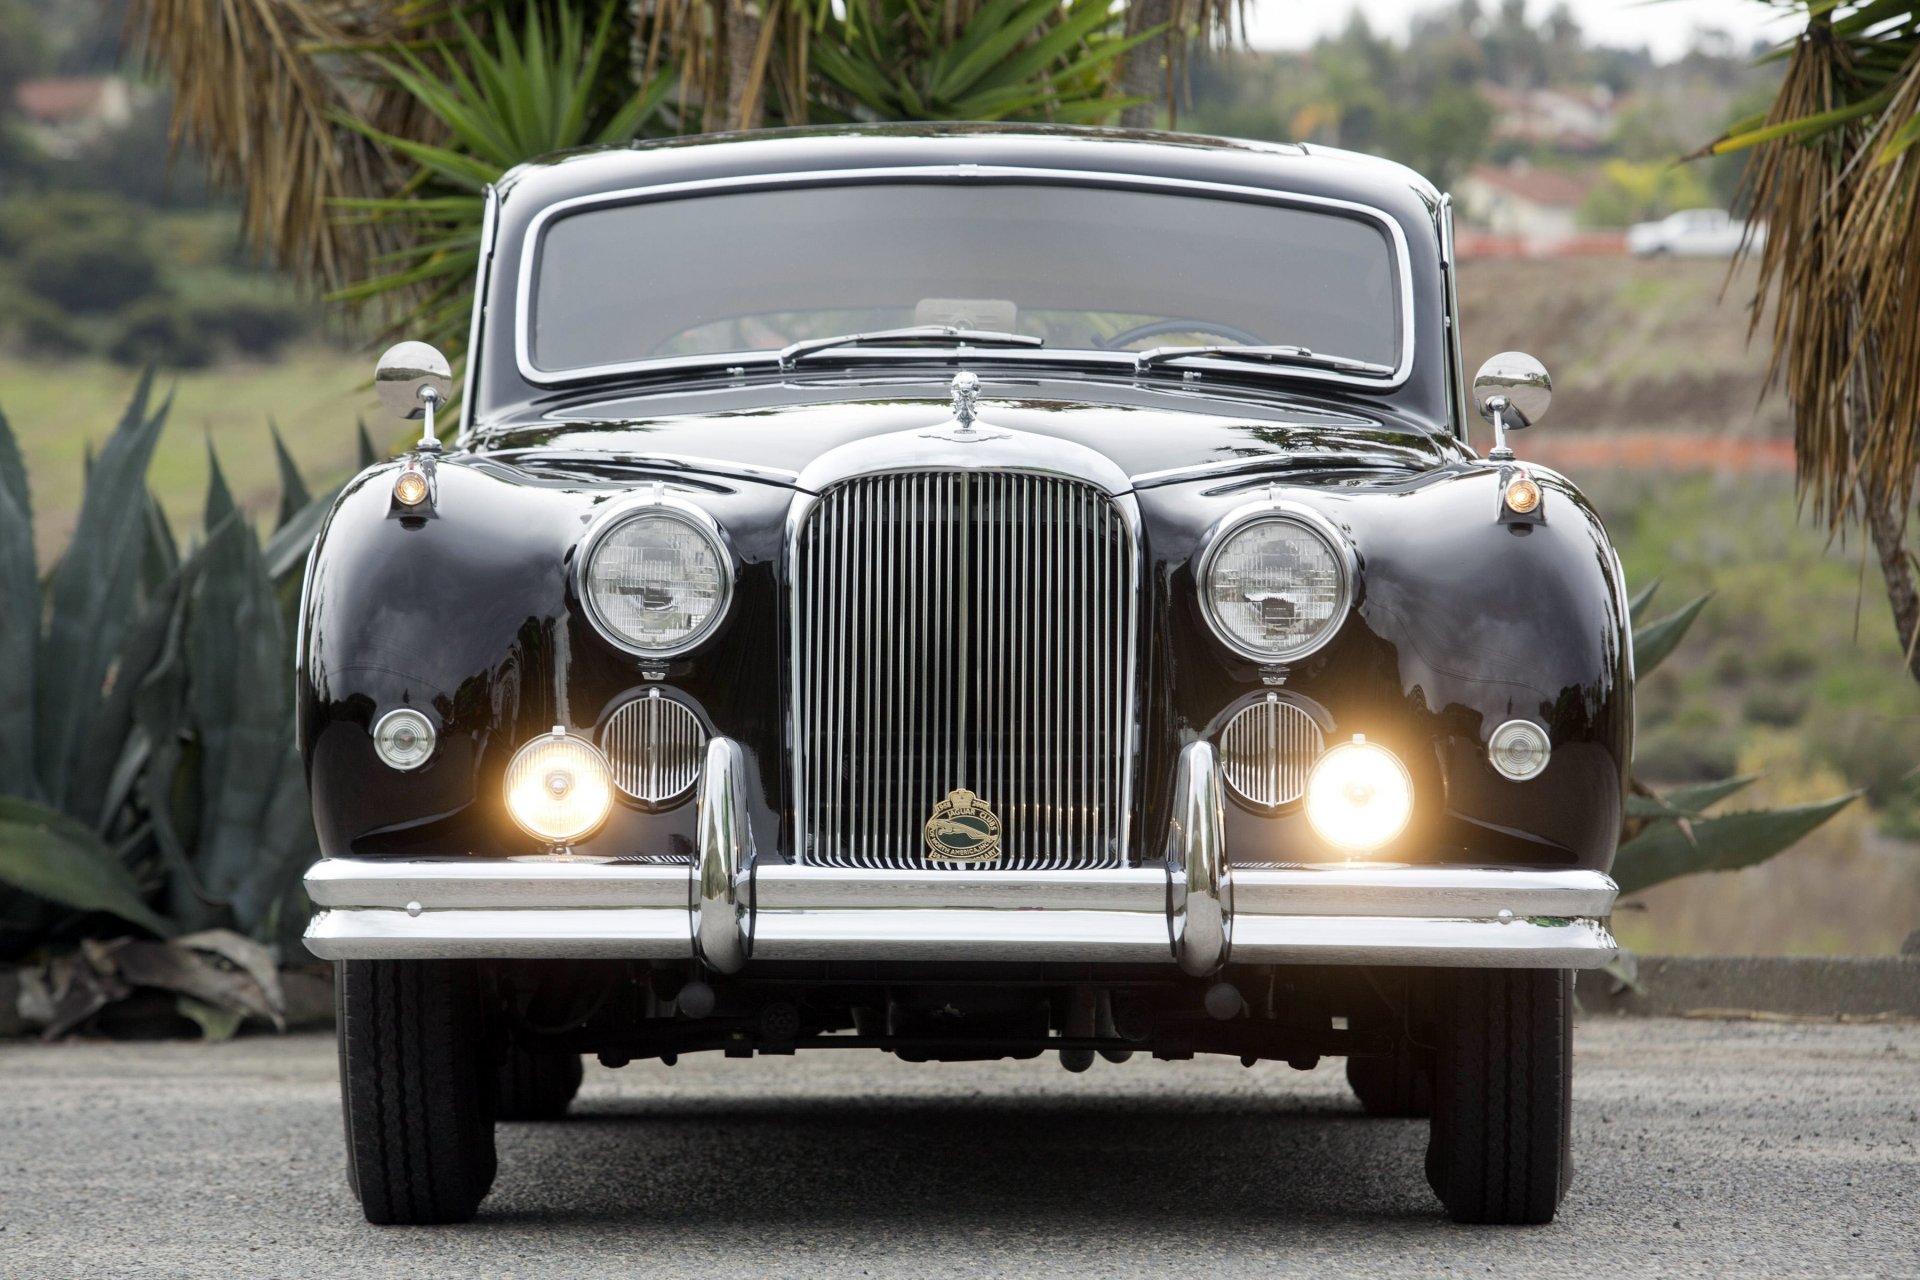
pixel 1578 121
pixel 1523 199
pixel 67 114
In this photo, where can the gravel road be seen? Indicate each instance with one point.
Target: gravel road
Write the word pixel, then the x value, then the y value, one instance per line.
pixel 1705 1148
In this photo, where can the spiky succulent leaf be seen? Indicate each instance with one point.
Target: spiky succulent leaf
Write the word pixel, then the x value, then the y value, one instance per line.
pixel 1665 852
pixel 20 633
pixel 1655 641
pixel 293 488
pixel 51 856
pixel 89 592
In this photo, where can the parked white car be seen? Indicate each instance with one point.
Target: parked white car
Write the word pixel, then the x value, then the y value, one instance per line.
pixel 1691 233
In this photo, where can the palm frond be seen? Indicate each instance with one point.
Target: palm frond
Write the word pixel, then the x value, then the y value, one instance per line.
pixel 265 110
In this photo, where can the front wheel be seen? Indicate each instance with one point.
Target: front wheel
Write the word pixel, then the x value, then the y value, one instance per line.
pixel 1500 1148
pixel 417 1086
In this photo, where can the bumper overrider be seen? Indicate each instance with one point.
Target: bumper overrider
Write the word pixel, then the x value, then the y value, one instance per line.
pixel 1196 911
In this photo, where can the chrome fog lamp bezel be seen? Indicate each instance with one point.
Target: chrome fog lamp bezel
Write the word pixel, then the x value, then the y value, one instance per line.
pixel 592 749
pixel 609 522
pixel 1278 512
pixel 422 725
pixel 1510 729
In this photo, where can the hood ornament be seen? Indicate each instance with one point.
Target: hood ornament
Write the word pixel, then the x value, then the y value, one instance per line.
pixel 966 395
pixel 965 390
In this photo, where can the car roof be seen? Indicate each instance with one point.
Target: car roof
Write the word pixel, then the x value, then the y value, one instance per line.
pixel 1301 167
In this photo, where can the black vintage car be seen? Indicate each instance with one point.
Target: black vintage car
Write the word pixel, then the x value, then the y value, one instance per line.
pixel 965 593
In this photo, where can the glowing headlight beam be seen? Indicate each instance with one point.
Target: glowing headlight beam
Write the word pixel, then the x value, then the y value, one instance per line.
pixel 1359 796
pixel 559 787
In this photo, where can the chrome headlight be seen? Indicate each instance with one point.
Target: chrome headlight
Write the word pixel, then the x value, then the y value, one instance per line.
pixel 656 578
pixel 1276 583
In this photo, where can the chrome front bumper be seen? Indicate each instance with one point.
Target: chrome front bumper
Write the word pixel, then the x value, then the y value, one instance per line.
pixel 1196 911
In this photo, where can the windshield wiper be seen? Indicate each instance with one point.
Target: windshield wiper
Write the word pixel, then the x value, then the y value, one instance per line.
pixel 1299 356
pixel 913 335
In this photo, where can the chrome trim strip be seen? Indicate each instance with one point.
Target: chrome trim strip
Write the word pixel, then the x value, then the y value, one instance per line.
pixel 640 933
pixel 1341 913
pixel 477 884
pixel 489 224
pixel 1322 889
pixel 986 449
pixel 1076 936
pixel 969 173
pixel 720 893
pixel 1461 944
pixel 1456 363
pixel 1199 877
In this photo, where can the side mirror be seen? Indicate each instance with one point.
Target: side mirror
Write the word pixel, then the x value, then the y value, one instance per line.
pixel 413 379
pixel 1512 391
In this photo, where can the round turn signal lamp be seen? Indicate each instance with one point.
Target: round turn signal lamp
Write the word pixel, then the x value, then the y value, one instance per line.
pixel 410 488
pixel 559 787
pixel 403 738
pixel 1359 796
pixel 1519 749
pixel 1523 496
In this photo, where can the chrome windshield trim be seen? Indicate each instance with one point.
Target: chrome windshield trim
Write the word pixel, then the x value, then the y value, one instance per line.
pixel 489 226
pixel 967 173
pixel 1456 362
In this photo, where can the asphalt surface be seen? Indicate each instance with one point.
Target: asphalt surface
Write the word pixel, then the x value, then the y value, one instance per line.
pixel 1731 1148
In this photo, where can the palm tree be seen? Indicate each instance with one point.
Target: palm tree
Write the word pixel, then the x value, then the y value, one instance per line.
pixel 360 135
pixel 1832 178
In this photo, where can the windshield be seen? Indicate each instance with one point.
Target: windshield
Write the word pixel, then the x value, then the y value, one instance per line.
pixel 1083 267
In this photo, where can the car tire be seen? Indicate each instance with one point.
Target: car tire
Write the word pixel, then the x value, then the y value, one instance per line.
pixel 536 1086
pixel 1500 1147
pixel 1398 1085
pixel 417 1086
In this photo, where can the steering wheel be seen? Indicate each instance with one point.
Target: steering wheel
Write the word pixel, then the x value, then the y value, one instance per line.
pixel 1155 328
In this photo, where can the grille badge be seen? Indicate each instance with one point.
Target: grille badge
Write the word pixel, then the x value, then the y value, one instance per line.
pixel 963 828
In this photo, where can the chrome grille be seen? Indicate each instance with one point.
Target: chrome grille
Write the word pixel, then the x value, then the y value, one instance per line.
pixel 1267 750
pixel 655 745
pixel 963 629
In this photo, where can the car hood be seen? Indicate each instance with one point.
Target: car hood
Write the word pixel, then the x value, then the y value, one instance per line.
pixel 773 431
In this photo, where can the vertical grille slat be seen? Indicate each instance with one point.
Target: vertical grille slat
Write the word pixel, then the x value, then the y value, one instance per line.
pixel 655 745
pixel 963 629
pixel 1267 750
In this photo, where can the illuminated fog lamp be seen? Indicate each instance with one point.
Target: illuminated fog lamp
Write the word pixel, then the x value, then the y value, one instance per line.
pixel 410 488
pixel 1359 796
pixel 559 788
pixel 1523 496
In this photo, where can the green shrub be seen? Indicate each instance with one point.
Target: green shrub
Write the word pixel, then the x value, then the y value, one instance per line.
pixel 83 272
pixel 1781 706
pixel 254 327
pixel 160 330
pixel 41 329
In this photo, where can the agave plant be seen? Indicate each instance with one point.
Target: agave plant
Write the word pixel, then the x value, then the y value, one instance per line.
pixel 1673 835
pixel 147 761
